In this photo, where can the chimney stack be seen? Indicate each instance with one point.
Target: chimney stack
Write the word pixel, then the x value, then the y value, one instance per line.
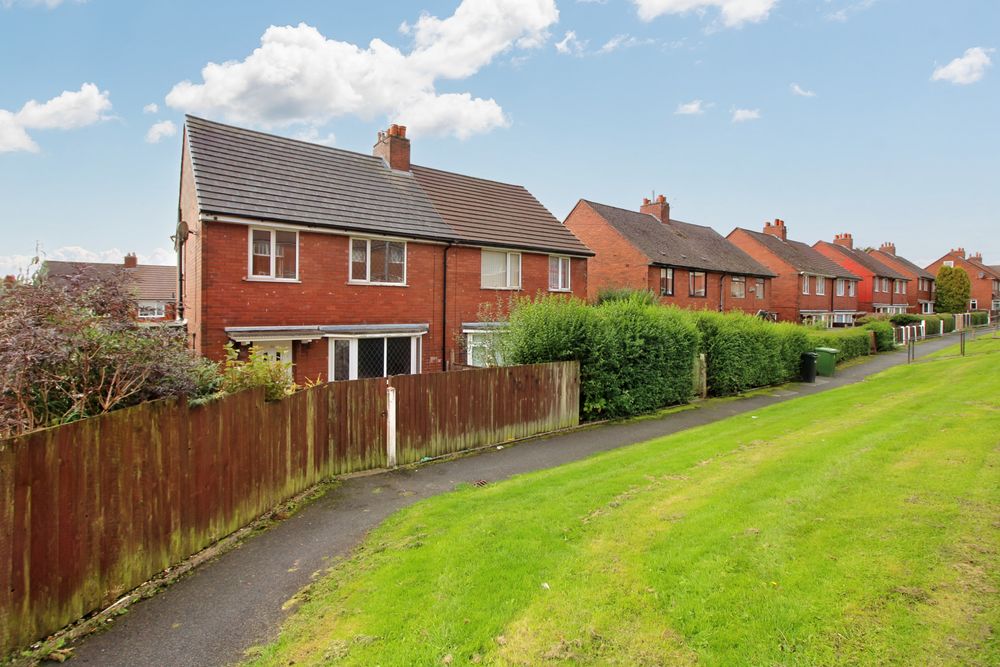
pixel 845 240
pixel 131 261
pixel 959 251
pixel 777 228
pixel 393 147
pixel 977 257
pixel 659 209
pixel 888 248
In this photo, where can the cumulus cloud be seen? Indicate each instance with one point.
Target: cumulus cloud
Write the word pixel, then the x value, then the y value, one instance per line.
pixel 693 108
pixel 70 110
pixel 14 265
pixel 622 42
pixel 743 115
pixel 159 131
pixel 297 76
pixel 802 92
pixel 842 14
pixel 50 4
pixel 570 44
pixel 152 107
pixel 733 13
pixel 969 68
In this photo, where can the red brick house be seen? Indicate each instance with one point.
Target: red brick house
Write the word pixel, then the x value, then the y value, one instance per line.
pixel 882 289
pixel 985 279
pixel 687 265
pixel 352 265
pixel 807 287
pixel 920 296
pixel 155 286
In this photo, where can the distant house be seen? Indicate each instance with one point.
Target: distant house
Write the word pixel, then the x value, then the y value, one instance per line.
pixel 882 289
pixel 808 287
pixel 352 265
pixel 687 265
pixel 984 279
pixel 921 287
pixel 155 285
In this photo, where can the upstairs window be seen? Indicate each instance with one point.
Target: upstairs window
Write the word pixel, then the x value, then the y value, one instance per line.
pixel 904 286
pixel 760 288
pixel 696 283
pixel 949 262
pixel 274 254
pixel 501 270
pixel 805 283
pixel 666 282
pixel 559 271
pixel 738 287
pixel 820 285
pixel 378 262
pixel 841 287
pixel 885 285
pixel 898 284
pixel 851 286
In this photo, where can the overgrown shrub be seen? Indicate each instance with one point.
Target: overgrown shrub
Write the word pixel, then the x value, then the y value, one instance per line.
pixel 644 296
pixel 885 339
pixel 851 342
pixel 904 319
pixel 257 370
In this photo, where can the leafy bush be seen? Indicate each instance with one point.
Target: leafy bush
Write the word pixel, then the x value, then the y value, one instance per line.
pixel 851 343
pixel 904 319
pixel 71 349
pixel 258 370
pixel 953 288
pixel 645 296
pixel 980 318
pixel 885 339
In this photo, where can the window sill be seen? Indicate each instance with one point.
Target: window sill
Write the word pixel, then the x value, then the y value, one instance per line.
pixel 371 284
pixel 561 291
pixel 697 296
pixel 502 289
pixel 260 279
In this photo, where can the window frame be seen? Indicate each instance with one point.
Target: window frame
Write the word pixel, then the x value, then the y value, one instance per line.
pixel 509 254
pixel 852 288
pixel 704 290
pixel 840 288
pixel 368 261
pixel 820 286
pixel 561 259
pixel 416 354
pixel 160 312
pixel 666 276
pixel 760 289
pixel 805 283
pixel 733 282
pixel 973 304
pixel 885 286
pixel 273 257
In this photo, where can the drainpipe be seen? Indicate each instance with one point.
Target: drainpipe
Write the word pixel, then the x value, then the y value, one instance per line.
pixel 444 310
pixel 722 293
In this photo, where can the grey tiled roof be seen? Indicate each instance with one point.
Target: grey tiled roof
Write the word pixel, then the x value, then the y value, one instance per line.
pixel 803 258
pixel 152 282
pixel 864 259
pixel 886 258
pixel 680 244
pixel 251 174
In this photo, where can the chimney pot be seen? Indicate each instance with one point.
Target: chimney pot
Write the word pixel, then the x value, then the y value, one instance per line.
pixel 131 261
pixel 777 229
pixel 393 147
pixel 659 209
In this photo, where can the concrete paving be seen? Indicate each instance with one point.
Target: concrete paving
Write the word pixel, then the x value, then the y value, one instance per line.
pixel 222 608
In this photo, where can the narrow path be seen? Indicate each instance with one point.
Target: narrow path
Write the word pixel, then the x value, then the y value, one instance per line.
pixel 212 616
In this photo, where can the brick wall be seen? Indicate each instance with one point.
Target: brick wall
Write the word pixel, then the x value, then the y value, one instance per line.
pixel 786 288
pixel 981 288
pixel 617 263
pixel 914 295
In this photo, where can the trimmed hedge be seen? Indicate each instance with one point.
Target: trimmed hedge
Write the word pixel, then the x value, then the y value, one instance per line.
pixel 885 339
pixel 933 323
pixel 852 343
pixel 903 319
pixel 980 319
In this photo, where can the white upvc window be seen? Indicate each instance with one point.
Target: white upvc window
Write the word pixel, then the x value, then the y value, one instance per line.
pixel 738 287
pixel 378 262
pixel 885 285
pixel 482 349
pixel 666 282
pixel 851 287
pixel 805 283
pixel 151 310
pixel 358 357
pixel 948 262
pixel 904 286
pixel 760 288
pixel 898 286
pixel 501 270
pixel 841 286
pixel 274 254
pixel 973 304
pixel 820 285
pixel 559 273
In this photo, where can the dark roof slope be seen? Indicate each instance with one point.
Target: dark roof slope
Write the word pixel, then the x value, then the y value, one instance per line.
pixel 986 268
pixel 803 258
pixel 492 213
pixel 864 259
pixel 885 258
pixel 679 243
pixel 255 175
pixel 152 282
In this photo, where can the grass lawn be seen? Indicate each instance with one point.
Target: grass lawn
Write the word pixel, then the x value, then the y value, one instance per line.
pixel 857 526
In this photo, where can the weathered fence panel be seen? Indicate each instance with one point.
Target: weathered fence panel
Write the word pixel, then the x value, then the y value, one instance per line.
pixel 92 509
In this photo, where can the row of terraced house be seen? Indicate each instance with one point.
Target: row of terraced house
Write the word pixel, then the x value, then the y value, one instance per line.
pixel 352 265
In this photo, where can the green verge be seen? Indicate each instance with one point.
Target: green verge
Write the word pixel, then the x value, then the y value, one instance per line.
pixel 856 526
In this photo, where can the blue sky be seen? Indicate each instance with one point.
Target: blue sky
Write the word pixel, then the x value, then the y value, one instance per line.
pixel 892 133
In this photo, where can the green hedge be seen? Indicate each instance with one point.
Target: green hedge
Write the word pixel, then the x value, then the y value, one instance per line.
pixel 885 339
pixel 980 319
pixel 933 323
pixel 851 343
pixel 902 319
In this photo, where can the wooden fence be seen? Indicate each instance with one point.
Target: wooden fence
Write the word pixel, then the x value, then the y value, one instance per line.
pixel 92 509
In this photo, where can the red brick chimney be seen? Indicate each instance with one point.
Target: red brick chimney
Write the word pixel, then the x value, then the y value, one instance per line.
pixel 131 261
pixel 888 248
pixel 659 209
pixel 845 240
pixel 8 281
pixel 777 228
pixel 959 251
pixel 393 147
pixel 976 257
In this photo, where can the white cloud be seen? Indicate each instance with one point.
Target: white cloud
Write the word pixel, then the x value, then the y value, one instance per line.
pixel 733 13
pixel 152 107
pixel 313 136
pixel 160 130
pixel 49 4
pixel 571 44
pixel 969 68
pixel 13 265
pixel 297 76
pixel 70 110
pixel 802 92
pixel 844 13
pixel 622 42
pixel 743 115
pixel 693 108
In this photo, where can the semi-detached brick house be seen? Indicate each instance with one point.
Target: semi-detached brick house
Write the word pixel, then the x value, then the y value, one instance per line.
pixel 352 265
pixel 155 286
pixel 920 299
pixel 807 286
pixel 687 265
pixel 984 279
pixel 882 289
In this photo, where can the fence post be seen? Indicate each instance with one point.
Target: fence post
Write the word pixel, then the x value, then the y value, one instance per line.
pixel 390 425
pixel 961 338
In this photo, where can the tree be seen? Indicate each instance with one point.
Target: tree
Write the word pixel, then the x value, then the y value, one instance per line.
pixel 953 289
